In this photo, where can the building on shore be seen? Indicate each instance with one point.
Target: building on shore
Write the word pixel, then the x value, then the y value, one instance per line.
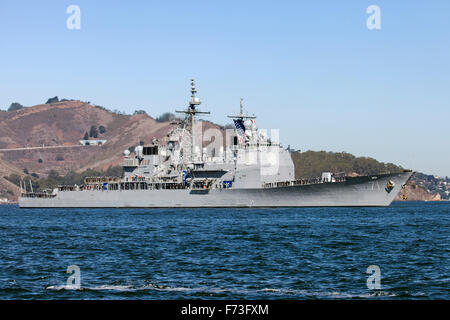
pixel 92 142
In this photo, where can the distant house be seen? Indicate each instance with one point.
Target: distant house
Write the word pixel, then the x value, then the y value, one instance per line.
pixel 92 142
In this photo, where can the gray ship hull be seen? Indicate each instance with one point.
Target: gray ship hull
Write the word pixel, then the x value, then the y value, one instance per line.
pixel 358 191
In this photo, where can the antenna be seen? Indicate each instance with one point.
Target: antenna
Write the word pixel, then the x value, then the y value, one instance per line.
pixel 241 115
pixel 241 106
pixel 190 113
pixel 194 100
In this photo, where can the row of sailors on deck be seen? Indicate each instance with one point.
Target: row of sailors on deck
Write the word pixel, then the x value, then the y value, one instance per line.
pixel 300 182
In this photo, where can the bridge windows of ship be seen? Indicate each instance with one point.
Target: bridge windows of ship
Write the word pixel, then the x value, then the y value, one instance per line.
pixel 147 151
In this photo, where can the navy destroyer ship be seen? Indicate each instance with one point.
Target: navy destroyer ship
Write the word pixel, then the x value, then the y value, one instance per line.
pixel 248 169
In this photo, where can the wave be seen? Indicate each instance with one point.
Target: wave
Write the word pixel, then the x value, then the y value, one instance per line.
pixel 326 294
pixel 135 288
pixel 215 290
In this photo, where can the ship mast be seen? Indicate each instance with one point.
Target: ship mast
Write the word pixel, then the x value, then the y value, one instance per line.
pixel 190 114
pixel 241 116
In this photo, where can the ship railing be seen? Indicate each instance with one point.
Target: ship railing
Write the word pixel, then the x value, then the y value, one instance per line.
pixel 300 182
pixel 37 195
pixel 166 186
pixel 88 180
pixel 68 187
pixel 125 186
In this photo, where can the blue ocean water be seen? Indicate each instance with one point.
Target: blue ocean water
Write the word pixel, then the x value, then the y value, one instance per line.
pixel 302 253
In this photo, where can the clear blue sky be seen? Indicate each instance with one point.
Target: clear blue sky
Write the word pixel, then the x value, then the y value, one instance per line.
pixel 310 68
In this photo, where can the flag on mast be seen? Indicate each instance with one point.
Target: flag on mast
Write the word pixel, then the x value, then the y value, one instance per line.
pixel 240 130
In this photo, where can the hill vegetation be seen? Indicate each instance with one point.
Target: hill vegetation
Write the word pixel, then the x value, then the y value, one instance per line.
pixel 54 179
pixel 52 100
pixel 311 164
pixel 166 117
pixel 15 106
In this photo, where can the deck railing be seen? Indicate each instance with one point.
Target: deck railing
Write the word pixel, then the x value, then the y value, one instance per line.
pixel 37 195
pixel 299 182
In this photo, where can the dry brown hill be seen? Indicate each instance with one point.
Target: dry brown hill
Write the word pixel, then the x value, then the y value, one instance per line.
pixel 417 193
pixel 7 189
pixel 64 124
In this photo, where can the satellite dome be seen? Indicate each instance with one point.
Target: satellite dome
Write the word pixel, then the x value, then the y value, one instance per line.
pixel 126 153
pixel 248 124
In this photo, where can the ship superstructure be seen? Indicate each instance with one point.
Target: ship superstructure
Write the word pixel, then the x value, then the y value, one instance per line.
pixel 244 167
pixel 250 160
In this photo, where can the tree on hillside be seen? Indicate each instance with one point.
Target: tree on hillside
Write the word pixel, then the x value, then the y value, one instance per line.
pixel 86 136
pixel 52 100
pixel 53 174
pixel 14 178
pixel 116 171
pixel 93 133
pixel 165 117
pixel 15 106
pixel 140 112
pixel 101 129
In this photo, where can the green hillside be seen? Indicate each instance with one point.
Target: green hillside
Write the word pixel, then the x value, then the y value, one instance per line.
pixel 311 164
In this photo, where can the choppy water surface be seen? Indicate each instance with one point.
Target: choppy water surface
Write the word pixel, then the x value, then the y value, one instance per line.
pixel 226 253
